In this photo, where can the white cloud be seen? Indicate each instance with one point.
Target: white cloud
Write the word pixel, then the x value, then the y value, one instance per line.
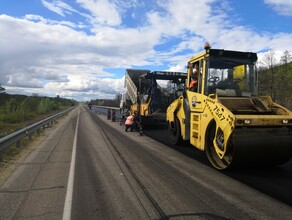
pixel 102 11
pixel 22 80
pixel 58 7
pixel 43 52
pixel 283 7
pixel 40 19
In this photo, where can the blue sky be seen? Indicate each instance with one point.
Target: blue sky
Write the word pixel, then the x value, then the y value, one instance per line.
pixel 80 48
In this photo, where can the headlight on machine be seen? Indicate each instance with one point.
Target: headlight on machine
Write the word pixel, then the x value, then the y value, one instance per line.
pixel 246 121
pixel 285 121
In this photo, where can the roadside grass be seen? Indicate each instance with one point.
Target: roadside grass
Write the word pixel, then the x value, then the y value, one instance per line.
pixel 13 156
pixel 7 128
pixel 14 151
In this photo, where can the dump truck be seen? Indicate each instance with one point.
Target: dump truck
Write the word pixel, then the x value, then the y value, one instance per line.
pixel 149 100
pixel 225 116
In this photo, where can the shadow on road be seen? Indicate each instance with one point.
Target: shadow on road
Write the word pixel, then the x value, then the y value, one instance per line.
pixel 273 181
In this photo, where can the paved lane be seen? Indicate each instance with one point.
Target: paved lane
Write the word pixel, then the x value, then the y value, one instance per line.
pixel 102 188
pixel 136 177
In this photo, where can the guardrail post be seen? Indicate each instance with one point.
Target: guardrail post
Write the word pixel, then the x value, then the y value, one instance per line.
pixel 38 132
pixel 113 115
pixel 18 143
pixel 108 114
pixel 1 156
pixel 29 135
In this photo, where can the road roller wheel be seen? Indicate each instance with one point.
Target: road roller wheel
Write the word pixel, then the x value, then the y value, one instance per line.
pixel 174 133
pixel 214 159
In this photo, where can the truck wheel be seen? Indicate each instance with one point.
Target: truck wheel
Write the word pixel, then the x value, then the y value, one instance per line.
pixel 212 155
pixel 174 133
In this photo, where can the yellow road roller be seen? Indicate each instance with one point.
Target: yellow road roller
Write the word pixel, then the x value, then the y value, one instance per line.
pixel 224 116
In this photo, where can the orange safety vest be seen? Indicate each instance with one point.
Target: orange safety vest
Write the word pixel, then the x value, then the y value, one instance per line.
pixel 193 83
pixel 129 120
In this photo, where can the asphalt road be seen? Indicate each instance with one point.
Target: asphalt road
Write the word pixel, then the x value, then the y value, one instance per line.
pixel 122 175
pixel 273 181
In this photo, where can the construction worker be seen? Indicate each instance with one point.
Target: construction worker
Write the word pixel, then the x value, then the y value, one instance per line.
pixel 194 78
pixel 129 122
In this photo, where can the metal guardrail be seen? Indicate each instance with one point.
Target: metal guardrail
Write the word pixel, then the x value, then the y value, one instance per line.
pixel 15 137
pixel 112 113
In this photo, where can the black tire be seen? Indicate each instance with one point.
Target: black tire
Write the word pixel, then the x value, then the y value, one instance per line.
pixel 174 133
pixel 214 159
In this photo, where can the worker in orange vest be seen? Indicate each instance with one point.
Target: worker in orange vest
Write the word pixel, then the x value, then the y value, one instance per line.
pixel 194 78
pixel 129 122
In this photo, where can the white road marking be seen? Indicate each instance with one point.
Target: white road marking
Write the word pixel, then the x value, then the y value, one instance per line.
pixel 69 192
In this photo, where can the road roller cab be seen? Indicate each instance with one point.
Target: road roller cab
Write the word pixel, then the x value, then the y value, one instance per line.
pixel 225 117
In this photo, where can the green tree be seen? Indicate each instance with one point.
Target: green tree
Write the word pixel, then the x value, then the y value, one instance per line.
pixel 285 79
pixel 11 105
pixel 269 62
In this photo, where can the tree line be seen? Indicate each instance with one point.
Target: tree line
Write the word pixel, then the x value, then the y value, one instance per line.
pixel 275 78
pixel 20 108
pixel 107 102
